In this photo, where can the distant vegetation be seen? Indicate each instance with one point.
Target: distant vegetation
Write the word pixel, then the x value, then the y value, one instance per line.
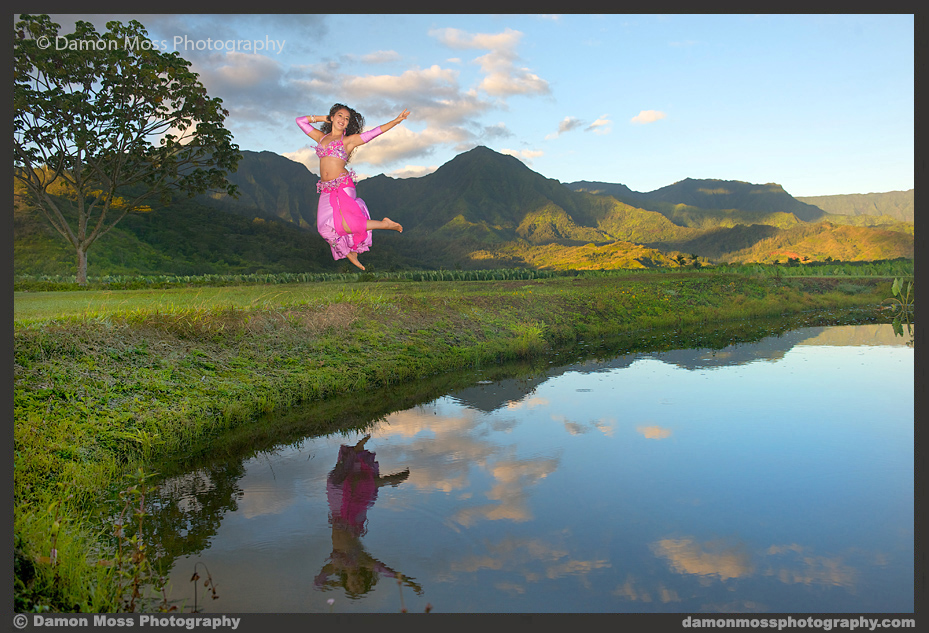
pixel 789 268
pixel 481 210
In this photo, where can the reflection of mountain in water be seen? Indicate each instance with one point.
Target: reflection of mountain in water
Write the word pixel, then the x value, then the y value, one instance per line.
pixel 491 395
pixel 855 335
pixel 775 347
pixel 772 348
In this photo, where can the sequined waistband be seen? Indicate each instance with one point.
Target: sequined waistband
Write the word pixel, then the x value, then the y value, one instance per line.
pixel 326 186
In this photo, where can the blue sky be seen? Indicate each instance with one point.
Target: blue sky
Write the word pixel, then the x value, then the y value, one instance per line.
pixel 820 104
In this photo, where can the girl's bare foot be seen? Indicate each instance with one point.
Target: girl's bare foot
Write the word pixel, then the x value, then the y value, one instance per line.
pixel 394 226
pixel 353 258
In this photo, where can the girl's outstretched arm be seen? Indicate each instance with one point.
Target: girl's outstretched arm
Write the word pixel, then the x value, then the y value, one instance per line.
pixel 402 117
pixel 367 135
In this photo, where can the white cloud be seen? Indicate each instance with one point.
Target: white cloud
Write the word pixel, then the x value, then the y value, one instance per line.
pixel 443 109
pixel 432 95
pixel 256 89
pixel 435 78
pixel 498 130
pixel 567 124
pixel 380 57
pixel 648 116
pixel 600 126
pixel 525 155
pixel 412 171
pixel 307 156
pixel 502 77
pixel 243 72
pixel 402 143
pixel 456 38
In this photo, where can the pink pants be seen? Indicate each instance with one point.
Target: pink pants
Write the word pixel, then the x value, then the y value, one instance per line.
pixel 336 206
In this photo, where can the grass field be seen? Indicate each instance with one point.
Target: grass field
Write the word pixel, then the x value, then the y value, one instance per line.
pixel 108 381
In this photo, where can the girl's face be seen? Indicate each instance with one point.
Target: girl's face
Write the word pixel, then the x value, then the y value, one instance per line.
pixel 340 119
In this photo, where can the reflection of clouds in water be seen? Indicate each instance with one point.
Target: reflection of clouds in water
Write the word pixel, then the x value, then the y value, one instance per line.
pixel 712 558
pixel 532 558
pixel 265 500
pixel 443 459
pixel 790 564
pixel 809 569
pixel 271 487
pixel 412 422
pixel 574 428
pixel 606 426
pixel 184 489
pixel 736 606
pixel 510 588
pixel 654 432
pixel 512 479
pixel 631 590
pixel 528 403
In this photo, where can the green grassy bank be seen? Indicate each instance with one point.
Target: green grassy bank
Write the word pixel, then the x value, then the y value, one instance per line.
pixel 105 381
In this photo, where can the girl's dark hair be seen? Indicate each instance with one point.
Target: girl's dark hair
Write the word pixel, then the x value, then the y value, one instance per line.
pixel 356 122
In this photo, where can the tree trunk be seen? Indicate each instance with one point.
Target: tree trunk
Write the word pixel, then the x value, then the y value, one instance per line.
pixel 81 267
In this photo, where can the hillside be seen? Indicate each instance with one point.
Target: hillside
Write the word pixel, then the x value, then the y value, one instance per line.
pixel 690 202
pixel 271 186
pixel 482 209
pixel 815 241
pixel 899 205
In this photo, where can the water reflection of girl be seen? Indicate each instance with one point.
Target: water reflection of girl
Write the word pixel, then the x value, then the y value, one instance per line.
pixel 352 489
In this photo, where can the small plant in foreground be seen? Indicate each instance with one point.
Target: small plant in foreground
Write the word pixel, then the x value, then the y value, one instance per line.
pixel 206 583
pixel 901 302
pixel 134 570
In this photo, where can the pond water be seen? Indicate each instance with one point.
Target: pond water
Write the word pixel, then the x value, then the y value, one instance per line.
pixel 773 476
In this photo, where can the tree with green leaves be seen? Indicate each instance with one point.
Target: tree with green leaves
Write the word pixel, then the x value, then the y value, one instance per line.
pixel 103 122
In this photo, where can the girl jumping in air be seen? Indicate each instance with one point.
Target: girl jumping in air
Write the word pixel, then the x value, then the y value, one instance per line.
pixel 342 218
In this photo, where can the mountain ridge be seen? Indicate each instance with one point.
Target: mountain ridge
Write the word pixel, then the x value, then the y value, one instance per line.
pixel 486 207
pixel 482 200
pixel 899 205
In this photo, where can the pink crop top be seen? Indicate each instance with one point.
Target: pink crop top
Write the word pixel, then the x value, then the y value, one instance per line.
pixel 335 148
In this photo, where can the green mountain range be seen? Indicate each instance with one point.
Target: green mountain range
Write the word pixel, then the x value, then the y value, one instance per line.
pixel 482 209
pixel 897 205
